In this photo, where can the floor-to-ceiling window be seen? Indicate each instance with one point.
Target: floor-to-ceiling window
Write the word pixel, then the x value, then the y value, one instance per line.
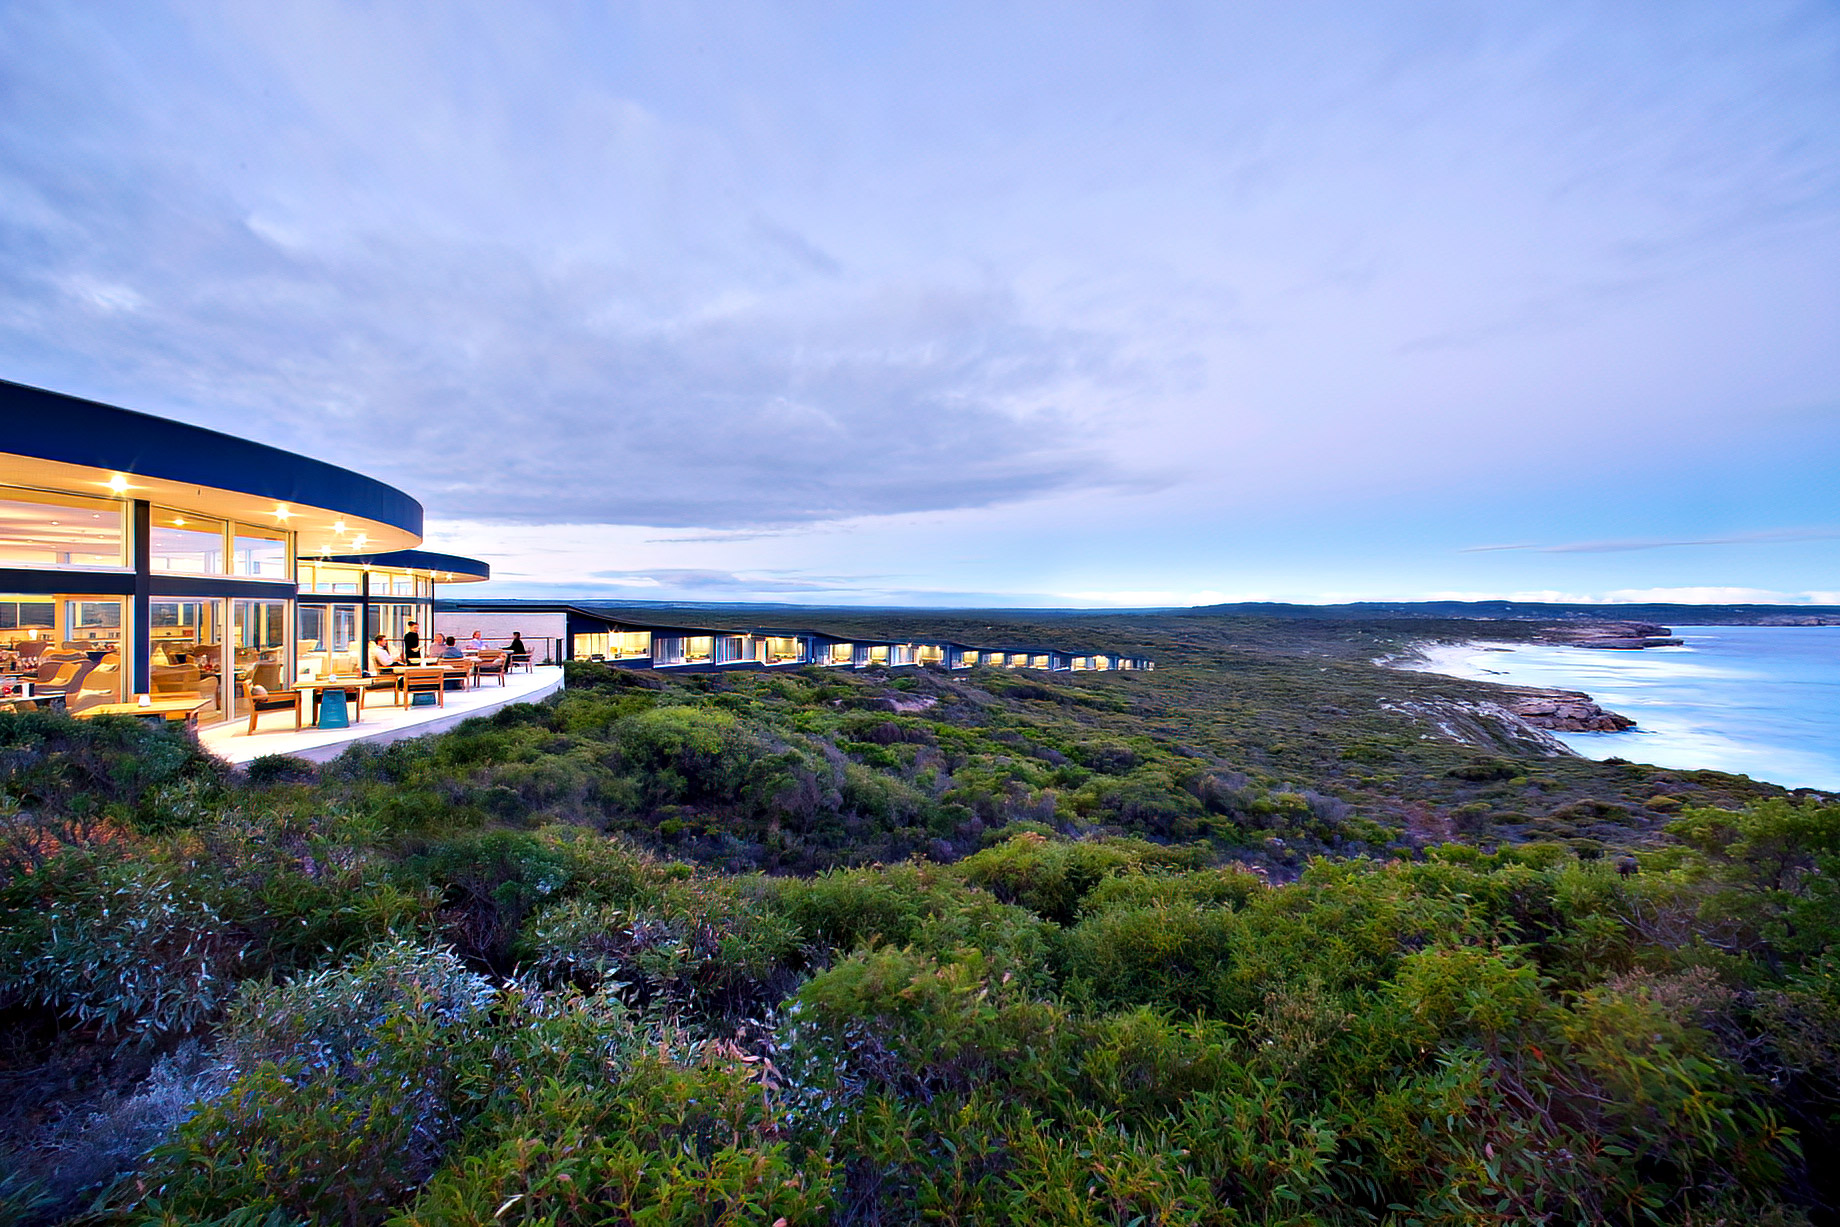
pixel 67 644
pixel 328 640
pixel 188 653
pixel 259 635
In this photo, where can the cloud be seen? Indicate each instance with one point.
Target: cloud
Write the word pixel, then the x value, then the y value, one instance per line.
pixel 685 579
pixel 1767 537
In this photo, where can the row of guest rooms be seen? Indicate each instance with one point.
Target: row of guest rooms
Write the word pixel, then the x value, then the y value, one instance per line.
pixel 589 635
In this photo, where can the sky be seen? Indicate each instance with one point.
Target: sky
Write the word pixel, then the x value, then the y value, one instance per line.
pixel 1131 304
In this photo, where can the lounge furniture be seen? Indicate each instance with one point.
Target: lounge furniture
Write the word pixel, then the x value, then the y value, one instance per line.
pixel 97 686
pixel 422 681
pixel 61 675
pixel 259 699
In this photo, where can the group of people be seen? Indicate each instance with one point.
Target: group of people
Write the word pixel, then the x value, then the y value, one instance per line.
pixel 439 649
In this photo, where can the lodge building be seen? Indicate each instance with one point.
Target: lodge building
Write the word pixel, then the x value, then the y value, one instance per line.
pixel 145 559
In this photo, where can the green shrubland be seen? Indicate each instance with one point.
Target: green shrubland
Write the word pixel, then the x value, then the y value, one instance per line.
pixel 804 948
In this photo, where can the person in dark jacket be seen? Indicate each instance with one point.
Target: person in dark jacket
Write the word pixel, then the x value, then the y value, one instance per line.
pixel 412 645
pixel 517 647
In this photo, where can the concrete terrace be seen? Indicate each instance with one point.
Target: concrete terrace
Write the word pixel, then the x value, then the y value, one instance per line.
pixel 382 723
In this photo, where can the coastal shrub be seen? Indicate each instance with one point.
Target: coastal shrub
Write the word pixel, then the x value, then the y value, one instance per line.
pixel 131 948
pixel 682 1137
pixel 1052 877
pixel 713 947
pixel 488 882
pixel 1169 954
pixel 351 1083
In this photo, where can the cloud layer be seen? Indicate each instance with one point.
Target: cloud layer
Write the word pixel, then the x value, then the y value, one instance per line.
pixel 1199 299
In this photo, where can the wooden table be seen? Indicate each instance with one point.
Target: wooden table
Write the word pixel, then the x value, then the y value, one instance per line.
pixel 352 686
pixel 185 709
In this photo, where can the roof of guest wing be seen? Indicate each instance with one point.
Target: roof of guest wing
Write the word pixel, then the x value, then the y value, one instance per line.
pixel 444 568
pixel 75 444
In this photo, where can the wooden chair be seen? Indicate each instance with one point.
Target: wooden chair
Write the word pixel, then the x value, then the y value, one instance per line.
pixel 273 700
pixel 497 665
pixel 391 682
pixel 521 660
pixel 422 681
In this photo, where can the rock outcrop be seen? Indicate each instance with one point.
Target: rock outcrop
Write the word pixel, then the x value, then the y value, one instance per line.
pixel 1567 711
pixel 1611 636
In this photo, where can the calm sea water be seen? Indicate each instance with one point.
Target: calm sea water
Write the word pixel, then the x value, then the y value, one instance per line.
pixel 1762 701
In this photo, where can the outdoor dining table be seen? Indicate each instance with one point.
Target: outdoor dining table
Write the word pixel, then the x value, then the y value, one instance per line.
pixel 182 709
pixel 350 688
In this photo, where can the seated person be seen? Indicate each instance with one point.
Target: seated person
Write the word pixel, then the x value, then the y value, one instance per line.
pixel 380 654
pixel 517 647
pixel 451 650
pixel 477 643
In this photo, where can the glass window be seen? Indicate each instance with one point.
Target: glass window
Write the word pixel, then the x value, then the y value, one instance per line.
pixel 783 649
pixel 186 544
pixel 699 649
pixel 731 649
pixel 337 581
pixel 625 645
pixel 402 585
pixel 667 650
pixel 92 640
pixel 327 641
pixel 261 553
pixel 590 647
pixel 259 637
pixel 187 653
pixel 842 653
pixel 55 530
pixel 27 614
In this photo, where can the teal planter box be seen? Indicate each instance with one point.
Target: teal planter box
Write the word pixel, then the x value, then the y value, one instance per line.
pixel 423 699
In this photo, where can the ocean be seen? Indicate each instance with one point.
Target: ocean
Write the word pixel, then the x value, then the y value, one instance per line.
pixel 1762 701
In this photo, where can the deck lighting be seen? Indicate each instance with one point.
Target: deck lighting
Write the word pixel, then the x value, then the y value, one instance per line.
pixel 281 511
pixel 117 483
pixel 338 527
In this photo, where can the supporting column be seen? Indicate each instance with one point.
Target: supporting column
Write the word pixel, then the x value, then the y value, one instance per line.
pixel 140 646
pixel 366 630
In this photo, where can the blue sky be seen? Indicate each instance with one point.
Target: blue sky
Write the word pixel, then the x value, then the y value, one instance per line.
pixel 944 304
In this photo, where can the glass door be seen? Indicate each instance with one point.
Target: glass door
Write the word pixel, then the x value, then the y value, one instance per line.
pixel 188 653
pixel 258 634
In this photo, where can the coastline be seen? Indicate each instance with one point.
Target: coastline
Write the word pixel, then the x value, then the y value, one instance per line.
pixel 1761 702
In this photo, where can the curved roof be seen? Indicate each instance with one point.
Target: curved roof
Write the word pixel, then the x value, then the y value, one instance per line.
pixel 66 440
pixel 446 568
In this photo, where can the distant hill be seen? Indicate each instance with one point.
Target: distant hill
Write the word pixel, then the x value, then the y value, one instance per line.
pixel 1522 611
pixel 1533 611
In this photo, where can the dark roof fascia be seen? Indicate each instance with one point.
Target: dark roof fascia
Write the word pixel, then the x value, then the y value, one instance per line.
pixel 99 436
pixel 413 560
